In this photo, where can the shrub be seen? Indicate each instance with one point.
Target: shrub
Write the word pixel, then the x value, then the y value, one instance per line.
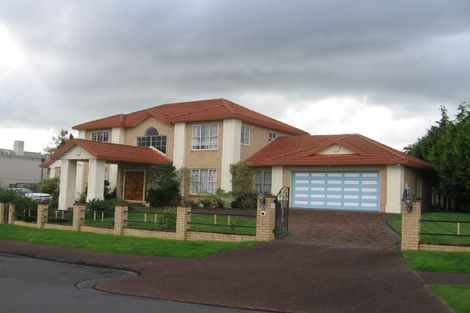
pixel 8 196
pixel 218 200
pixel 245 201
pixel 24 203
pixel 242 178
pixel 165 192
pixel 99 205
pixel 190 203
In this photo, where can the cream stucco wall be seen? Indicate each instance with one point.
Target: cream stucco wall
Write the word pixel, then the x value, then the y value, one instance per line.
pixel 259 137
pixel 287 176
pixel 131 134
pixel 395 183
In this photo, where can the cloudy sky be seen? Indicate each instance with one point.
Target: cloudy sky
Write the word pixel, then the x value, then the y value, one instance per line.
pixel 380 68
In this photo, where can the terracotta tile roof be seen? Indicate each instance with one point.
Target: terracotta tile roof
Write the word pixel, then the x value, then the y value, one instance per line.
pixel 203 110
pixel 112 152
pixel 304 150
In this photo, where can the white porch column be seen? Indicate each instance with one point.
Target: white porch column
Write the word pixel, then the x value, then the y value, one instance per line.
pixel 67 184
pixel 276 179
pixel 230 150
pixel 395 186
pixel 79 186
pixel 179 149
pixel 95 179
pixel 117 136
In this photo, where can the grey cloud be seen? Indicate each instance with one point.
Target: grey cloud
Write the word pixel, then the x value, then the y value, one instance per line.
pixel 95 58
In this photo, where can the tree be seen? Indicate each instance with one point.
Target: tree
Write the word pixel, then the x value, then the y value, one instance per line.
pixel 242 178
pixel 58 141
pixel 165 183
pixel 446 146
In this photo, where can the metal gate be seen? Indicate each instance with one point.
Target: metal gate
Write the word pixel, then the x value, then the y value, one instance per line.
pixel 281 227
pixel 5 213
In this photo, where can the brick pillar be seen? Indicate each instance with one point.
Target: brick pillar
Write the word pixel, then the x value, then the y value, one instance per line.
pixel 11 213
pixel 182 222
pixel 265 219
pixel 78 217
pixel 120 219
pixel 2 212
pixel 42 215
pixel 410 226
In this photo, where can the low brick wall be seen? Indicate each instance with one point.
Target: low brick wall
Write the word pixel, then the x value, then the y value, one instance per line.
pixel 57 226
pixel 21 223
pixel 264 225
pixel 443 247
pixel 197 235
pixel 148 233
pixel 97 230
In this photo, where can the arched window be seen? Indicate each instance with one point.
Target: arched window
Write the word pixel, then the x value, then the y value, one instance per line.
pixel 152 138
pixel 151 131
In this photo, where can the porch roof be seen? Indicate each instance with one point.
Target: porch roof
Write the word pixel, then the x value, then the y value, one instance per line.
pixel 112 152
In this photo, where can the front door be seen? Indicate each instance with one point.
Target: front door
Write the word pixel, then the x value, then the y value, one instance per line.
pixel 134 186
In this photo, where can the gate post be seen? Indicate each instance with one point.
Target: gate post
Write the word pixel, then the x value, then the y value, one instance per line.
pixel 182 222
pixel 410 226
pixel 78 217
pixel 11 213
pixel 2 213
pixel 41 218
pixel 120 219
pixel 265 219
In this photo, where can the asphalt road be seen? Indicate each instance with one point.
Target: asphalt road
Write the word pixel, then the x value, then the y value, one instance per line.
pixel 33 285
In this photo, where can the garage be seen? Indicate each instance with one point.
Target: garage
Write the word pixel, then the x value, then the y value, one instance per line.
pixel 336 190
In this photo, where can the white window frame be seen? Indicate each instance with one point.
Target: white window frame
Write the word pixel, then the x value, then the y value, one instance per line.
pixel 272 136
pixel 203 180
pixel 100 136
pixel 245 135
pixel 199 142
pixel 263 181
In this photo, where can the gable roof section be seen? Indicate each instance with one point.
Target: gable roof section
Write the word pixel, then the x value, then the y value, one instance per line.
pixel 112 152
pixel 302 150
pixel 203 110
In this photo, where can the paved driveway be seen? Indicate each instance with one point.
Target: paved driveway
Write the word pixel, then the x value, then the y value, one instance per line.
pixel 333 228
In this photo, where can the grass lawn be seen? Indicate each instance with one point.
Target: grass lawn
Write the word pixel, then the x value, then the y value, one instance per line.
pixel 433 261
pixel 439 227
pixel 117 244
pixel 456 296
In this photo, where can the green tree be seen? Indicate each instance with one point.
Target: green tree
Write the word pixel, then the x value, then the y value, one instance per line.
pixel 242 178
pixel 58 141
pixel 165 183
pixel 446 146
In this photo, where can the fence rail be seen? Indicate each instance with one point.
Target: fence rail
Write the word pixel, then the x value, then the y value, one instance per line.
pixel 432 230
pixel 27 215
pixel 151 220
pixel 99 218
pixel 225 223
pixel 62 217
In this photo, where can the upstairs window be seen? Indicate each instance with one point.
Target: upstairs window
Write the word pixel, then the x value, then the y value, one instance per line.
pixel 204 137
pixel 245 135
pixel 102 136
pixel 263 181
pixel 272 136
pixel 152 138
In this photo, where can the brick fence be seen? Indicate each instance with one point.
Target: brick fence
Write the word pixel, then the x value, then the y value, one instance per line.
pixel 265 218
pixel 410 232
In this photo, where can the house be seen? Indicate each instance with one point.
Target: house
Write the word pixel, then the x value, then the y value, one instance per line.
pixel 207 136
pixel 19 167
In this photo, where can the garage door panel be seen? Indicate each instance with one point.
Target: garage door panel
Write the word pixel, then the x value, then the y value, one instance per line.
pixel 336 190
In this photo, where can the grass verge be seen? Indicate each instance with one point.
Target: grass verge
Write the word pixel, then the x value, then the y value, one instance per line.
pixel 118 244
pixel 456 296
pixel 432 261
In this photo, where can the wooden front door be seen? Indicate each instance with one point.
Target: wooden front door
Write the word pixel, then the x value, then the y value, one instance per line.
pixel 134 186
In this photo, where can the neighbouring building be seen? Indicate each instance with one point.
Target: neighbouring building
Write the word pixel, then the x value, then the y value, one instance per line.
pixel 348 171
pixel 20 168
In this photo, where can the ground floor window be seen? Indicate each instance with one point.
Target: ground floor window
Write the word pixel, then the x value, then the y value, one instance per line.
pixel 263 181
pixel 203 180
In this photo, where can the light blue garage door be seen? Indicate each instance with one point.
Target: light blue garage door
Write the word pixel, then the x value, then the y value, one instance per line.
pixel 336 190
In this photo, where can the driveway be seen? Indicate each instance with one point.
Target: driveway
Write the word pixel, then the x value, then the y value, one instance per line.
pixel 297 274
pixel 346 229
